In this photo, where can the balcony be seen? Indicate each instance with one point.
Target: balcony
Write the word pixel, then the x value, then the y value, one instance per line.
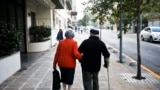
pixel 45 3
pixel 69 4
pixel 59 4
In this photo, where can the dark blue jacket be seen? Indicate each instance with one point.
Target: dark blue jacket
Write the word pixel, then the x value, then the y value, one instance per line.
pixel 92 49
pixel 59 35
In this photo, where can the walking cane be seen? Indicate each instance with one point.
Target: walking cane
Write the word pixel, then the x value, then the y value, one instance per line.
pixel 106 65
pixel 108 78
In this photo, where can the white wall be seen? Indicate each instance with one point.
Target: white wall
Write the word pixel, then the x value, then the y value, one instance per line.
pixel 39 46
pixel 43 16
pixel 30 7
pixel 61 15
pixel 9 65
pixel 155 22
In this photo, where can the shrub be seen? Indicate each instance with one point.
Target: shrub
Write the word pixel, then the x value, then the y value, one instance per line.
pixel 9 39
pixel 39 33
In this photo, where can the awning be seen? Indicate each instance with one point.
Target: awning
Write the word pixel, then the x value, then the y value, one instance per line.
pixel 69 4
pixel 59 4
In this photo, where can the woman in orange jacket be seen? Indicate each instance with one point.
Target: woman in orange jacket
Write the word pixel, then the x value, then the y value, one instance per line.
pixel 65 56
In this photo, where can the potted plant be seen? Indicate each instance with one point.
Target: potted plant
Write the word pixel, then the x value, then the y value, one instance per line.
pixel 9 39
pixel 39 38
pixel 39 33
pixel 9 50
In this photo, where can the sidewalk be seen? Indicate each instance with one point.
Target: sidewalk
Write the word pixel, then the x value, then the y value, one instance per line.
pixel 39 75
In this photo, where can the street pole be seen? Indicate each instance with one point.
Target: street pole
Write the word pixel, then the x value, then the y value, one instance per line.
pixel 120 28
pixel 100 31
pixel 141 22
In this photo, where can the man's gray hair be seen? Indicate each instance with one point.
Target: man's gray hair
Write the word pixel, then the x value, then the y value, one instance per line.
pixel 69 34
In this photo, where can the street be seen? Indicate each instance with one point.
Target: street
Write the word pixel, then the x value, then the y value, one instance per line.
pixel 149 51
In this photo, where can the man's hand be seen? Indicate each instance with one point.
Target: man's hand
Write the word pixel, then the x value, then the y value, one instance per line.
pixel 106 62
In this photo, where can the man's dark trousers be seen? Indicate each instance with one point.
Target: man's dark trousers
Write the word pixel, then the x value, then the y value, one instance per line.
pixel 90 80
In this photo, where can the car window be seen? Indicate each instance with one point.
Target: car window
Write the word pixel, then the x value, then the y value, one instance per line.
pixel 147 30
pixel 156 30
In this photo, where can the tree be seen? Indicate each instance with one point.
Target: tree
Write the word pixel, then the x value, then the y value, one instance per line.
pixel 79 22
pixel 85 20
pixel 131 9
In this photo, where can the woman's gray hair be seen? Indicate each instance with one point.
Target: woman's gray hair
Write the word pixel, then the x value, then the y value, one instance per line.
pixel 69 34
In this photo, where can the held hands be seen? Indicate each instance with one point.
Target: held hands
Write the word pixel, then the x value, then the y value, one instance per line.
pixel 54 67
pixel 106 62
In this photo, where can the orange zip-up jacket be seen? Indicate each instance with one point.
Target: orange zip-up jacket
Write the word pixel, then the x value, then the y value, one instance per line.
pixel 67 53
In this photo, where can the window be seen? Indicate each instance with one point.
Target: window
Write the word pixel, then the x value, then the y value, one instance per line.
pixel 33 19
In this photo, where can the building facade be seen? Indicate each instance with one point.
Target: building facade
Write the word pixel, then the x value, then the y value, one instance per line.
pixel 25 13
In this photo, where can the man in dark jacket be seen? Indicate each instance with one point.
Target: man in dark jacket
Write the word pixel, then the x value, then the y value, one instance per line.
pixel 92 49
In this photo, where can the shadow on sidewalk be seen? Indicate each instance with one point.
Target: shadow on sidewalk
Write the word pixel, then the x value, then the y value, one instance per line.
pixel 29 58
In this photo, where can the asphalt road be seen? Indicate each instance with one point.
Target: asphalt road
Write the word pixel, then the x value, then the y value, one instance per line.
pixel 150 52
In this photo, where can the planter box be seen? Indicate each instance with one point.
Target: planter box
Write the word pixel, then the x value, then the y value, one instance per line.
pixel 9 65
pixel 39 46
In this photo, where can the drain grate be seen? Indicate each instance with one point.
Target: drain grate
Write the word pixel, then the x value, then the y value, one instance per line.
pixel 149 78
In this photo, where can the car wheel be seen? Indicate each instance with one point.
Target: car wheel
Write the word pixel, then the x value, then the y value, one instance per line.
pixel 142 38
pixel 151 39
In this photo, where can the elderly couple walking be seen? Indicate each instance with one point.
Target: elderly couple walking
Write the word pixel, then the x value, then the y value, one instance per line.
pixel 89 55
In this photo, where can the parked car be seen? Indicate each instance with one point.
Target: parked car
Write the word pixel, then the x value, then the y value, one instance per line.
pixel 150 33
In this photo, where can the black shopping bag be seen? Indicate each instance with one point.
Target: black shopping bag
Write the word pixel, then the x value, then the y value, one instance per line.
pixel 56 80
